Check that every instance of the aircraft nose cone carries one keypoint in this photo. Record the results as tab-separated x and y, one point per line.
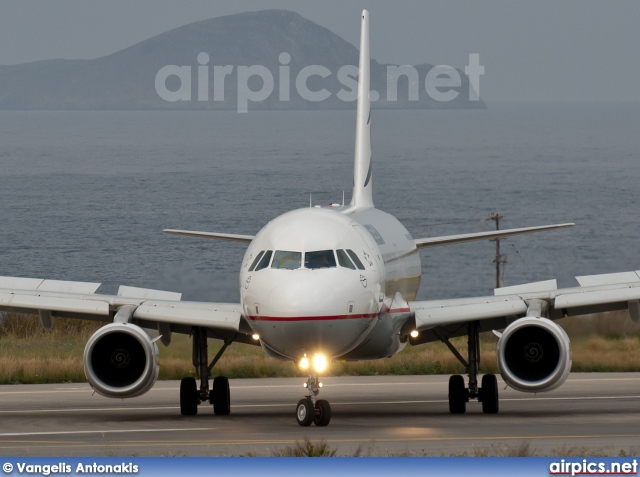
301	298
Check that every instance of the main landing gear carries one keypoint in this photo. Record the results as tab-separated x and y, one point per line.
218	396
459	396
310	409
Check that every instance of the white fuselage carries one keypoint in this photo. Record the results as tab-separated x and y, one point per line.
302	297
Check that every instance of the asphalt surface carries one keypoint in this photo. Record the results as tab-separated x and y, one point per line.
382	415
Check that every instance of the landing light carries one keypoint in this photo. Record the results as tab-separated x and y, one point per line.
319	363
256	337
414	334
304	364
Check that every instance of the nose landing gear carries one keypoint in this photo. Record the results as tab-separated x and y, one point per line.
310	409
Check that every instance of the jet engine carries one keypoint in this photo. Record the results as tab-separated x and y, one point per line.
534	355
121	361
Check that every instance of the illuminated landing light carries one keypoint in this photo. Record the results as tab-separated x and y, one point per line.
256	337
303	364
319	363
414	334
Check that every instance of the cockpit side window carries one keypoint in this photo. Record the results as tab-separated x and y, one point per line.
255	262
319	259
355	259
286	260
266	258
343	260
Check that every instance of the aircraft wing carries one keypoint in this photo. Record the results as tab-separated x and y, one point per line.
149	308
473	237
597	293
211	235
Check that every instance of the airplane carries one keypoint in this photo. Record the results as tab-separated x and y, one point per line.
319	284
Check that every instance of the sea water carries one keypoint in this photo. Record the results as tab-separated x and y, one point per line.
85	194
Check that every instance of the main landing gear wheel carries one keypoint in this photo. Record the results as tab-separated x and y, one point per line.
220	396
188	397
457	395
322	414
489	394
305	412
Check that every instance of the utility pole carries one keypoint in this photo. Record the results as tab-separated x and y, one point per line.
499	260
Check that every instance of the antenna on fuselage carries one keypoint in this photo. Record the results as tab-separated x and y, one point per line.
310	203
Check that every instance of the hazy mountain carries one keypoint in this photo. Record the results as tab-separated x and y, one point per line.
127	79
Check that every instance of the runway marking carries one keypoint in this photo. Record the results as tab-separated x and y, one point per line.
334	385
146	443
577	398
572	380
288	404
98	409
270	386
110	431
295	386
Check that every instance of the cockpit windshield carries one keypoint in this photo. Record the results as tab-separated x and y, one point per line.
290	260
319	259
356	260
264	262
344	260
255	262
287	260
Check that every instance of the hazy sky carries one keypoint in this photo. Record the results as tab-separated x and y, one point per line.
572	50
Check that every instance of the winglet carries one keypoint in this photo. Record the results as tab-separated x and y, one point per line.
362	185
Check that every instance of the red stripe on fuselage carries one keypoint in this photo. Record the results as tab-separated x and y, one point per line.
313	318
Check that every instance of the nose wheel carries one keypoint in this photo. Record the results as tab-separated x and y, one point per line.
312	410
304	412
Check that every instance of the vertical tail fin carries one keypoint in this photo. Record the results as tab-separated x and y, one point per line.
362	185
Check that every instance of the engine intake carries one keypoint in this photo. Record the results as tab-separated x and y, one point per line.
534	355
121	361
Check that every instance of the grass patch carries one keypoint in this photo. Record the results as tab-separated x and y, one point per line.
306	448
28	354
524	449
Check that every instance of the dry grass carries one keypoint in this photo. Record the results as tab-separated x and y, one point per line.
581	451
306	448
615	324
525	449
599	354
29	354
309	448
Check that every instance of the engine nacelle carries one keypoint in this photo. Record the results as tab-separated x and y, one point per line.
121	361
534	355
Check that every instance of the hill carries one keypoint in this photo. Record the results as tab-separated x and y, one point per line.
140	76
